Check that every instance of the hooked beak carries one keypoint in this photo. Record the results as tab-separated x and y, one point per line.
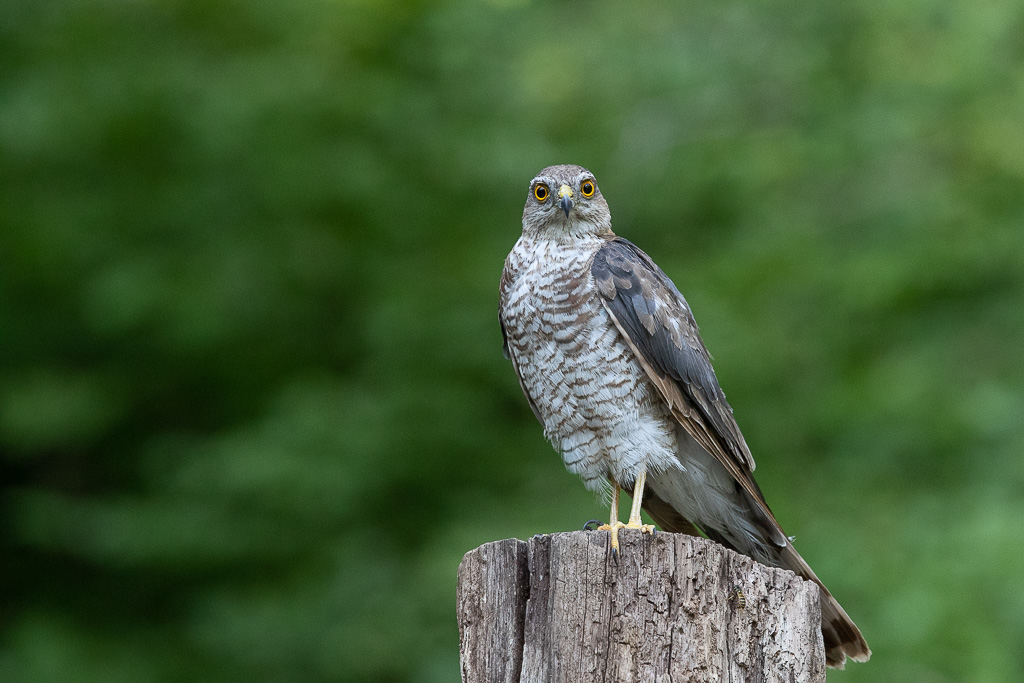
566	199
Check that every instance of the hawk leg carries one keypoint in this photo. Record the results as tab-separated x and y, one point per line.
634	512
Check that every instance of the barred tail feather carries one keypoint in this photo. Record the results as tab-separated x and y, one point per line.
841	636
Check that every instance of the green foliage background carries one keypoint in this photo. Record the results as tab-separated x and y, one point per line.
253	408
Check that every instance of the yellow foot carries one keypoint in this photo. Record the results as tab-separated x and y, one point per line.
614	529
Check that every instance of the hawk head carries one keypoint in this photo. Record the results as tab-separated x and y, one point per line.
564	201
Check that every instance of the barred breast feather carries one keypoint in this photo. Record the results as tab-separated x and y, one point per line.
557	333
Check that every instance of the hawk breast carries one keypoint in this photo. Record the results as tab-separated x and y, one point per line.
598	408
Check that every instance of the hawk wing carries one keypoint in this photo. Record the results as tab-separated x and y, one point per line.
656	322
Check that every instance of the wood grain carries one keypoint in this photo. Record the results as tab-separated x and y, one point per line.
560	608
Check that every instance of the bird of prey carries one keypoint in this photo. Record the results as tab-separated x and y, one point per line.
608	355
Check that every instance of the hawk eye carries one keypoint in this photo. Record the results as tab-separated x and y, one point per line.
587	188
540	192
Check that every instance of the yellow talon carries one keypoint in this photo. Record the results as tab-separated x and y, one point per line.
634	513
644	528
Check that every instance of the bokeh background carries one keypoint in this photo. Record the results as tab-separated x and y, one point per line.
253	408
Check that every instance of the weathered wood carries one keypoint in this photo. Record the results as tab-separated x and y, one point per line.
560	608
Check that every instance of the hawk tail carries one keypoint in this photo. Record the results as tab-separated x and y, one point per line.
841	636
665	516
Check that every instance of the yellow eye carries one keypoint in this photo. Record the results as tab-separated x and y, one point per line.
540	192
587	188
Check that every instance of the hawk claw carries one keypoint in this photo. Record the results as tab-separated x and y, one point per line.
614	529
643	528
586	527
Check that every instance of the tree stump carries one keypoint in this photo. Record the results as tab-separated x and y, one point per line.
672	608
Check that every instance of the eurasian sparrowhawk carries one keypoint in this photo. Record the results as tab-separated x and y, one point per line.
609	357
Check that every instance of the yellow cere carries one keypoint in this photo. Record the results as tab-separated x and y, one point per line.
564	191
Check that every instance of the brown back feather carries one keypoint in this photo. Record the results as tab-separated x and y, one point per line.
655	321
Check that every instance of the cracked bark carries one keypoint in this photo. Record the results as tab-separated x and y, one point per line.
559	608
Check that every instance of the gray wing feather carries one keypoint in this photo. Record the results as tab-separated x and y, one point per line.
657	323
660	324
